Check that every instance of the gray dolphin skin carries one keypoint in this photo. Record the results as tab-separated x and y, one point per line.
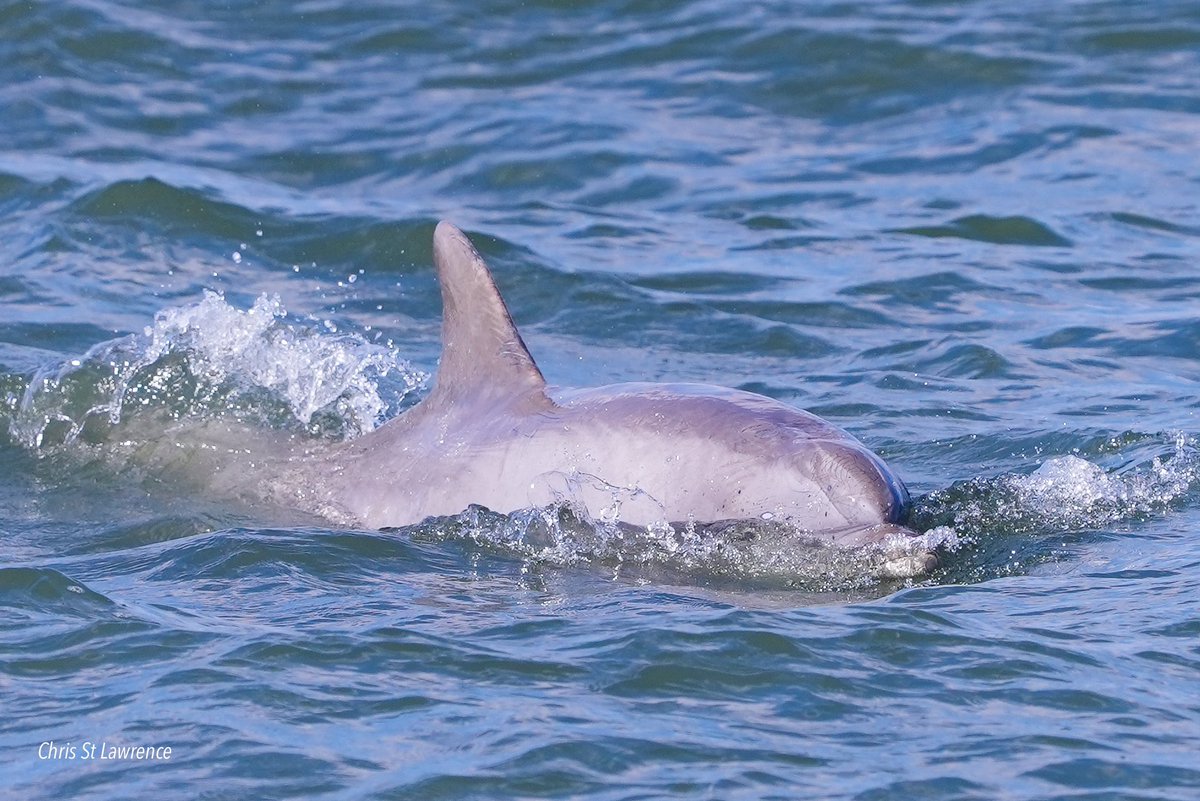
493	433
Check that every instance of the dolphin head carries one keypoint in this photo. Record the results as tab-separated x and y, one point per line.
855	483
892	494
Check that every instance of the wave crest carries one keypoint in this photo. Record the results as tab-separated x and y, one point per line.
211	359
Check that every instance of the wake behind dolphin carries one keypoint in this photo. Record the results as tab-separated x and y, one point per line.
492	433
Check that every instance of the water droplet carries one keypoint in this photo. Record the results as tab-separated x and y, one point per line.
237	258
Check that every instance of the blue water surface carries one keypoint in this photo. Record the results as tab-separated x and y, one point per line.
968	233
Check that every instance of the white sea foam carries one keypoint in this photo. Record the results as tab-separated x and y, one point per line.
211	358
1069	493
751	552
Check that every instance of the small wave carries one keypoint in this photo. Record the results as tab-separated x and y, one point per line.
1010	523
211	359
28	590
1015	230
1066	493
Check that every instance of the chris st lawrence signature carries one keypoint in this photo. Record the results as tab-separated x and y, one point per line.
102	750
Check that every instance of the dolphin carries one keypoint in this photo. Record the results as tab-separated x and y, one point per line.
493	433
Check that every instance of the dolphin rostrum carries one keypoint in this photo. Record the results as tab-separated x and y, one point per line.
493	433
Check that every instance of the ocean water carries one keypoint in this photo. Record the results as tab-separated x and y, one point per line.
969	233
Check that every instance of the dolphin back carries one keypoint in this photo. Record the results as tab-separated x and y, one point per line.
491	434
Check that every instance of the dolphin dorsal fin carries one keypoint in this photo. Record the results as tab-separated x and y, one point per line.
482	353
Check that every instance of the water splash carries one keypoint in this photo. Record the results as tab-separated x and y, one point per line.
1012	523
1066	493
752	553
211	359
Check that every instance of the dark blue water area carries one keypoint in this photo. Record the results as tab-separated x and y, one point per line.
967	233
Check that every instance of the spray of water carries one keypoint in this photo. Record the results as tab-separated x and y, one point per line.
211	359
761	553
1011	523
1066	493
